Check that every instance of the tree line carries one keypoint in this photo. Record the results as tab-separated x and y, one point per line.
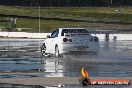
66	3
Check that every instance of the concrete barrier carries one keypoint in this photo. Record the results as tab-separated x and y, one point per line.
44	35
118	36
23	35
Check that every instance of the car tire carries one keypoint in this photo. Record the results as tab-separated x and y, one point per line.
43	50
57	52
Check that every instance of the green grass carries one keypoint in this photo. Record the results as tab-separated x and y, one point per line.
96	14
124	14
47	25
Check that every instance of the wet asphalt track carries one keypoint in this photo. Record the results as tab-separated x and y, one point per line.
23	56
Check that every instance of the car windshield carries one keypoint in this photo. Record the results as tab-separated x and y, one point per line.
73	31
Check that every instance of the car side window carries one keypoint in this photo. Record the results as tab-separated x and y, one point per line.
55	34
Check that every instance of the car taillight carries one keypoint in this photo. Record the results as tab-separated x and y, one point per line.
65	39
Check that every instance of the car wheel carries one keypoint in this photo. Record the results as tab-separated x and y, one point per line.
43	50
56	51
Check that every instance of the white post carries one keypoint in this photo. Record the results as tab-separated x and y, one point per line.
39	18
39	27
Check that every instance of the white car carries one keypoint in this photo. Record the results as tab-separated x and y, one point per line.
70	40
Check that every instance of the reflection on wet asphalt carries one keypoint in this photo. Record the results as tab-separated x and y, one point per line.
23	55
16	65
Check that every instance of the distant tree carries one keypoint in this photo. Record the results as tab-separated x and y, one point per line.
66	3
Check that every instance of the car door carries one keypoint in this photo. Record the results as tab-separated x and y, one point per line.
52	41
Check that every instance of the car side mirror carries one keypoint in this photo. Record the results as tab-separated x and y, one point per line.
48	36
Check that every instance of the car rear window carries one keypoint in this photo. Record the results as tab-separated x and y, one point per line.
73	31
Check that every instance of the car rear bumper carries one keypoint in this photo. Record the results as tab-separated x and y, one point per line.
70	48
